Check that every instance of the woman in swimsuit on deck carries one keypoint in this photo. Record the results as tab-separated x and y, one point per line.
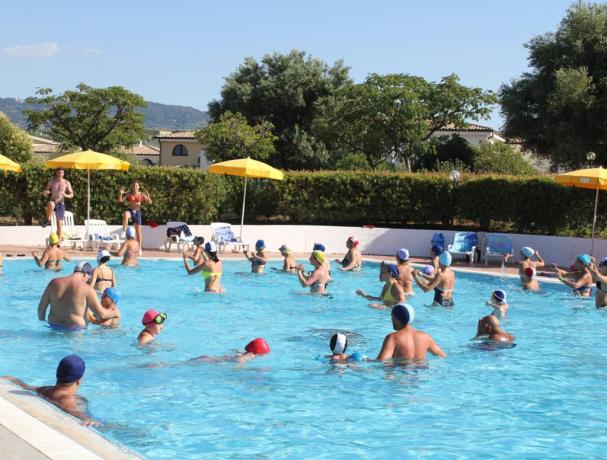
259	259
442	283
392	292
133	213
103	276
209	267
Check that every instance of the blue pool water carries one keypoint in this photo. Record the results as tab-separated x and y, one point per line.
542	398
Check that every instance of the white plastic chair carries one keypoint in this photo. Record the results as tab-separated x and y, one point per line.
223	236
69	230
464	244
98	232
497	246
180	240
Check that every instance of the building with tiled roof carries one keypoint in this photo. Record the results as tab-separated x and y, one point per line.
181	149
474	134
43	148
143	154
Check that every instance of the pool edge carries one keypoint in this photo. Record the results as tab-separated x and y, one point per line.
48	431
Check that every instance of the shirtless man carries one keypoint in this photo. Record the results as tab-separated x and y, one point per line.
406	271
580	280
443	282
58	189
63	394
52	256
407	343
527	268
69	297
489	326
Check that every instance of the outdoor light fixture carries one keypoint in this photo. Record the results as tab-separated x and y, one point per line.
455	176
590	156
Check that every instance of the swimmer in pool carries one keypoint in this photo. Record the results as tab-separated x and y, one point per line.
69	297
129	251
153	323
52	256
435	252
599	276
198	253
392	292
499	304
407	343
109	301
443	282
258	259
289	264
319	278
321	247
103	276
579	280
64	393
256	347
489	327
339	345
352	261
209	267
527	268
405	270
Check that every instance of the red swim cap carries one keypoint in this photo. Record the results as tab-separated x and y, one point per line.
258	347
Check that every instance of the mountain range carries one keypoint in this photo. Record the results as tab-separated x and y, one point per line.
155	115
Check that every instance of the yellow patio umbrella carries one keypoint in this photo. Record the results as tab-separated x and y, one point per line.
7	164
593	179
246	167
88	160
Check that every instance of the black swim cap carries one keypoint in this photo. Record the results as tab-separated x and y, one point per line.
401	313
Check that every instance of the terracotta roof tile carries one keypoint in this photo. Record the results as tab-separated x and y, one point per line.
45	148
466	127
175	135
143	150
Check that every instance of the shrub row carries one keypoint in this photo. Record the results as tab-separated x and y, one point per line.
488	202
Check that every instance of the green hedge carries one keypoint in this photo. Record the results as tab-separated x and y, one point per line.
488	202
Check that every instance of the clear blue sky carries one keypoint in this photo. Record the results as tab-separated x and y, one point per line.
179	52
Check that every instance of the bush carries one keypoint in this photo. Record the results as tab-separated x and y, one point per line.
486	202
499	158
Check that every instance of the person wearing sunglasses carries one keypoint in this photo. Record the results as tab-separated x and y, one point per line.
68	298
153	323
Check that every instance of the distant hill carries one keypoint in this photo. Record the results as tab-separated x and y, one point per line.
155	115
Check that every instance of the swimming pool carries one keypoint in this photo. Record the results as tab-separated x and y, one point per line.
541	398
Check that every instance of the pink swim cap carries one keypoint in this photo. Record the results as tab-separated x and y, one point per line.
353	240
149	316
258	347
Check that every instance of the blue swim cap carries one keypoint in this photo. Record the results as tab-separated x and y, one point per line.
409	309
260	244
356	356
401	313
319	247
403	254
112	293
444	259
437	249
428	270
585	259
499	295
70	369
394	271
527	251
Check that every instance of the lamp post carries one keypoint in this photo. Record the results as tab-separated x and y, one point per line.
455	176
590	156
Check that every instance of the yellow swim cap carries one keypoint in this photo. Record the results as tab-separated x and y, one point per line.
319	256
53	238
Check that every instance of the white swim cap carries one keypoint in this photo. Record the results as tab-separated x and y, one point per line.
338	343
130	232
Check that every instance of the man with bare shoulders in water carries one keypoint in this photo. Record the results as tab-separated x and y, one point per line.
407	343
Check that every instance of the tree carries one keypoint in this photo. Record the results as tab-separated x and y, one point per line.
14	142
100	119
559	107
500	158
452	150
390	117
283	89
231	137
